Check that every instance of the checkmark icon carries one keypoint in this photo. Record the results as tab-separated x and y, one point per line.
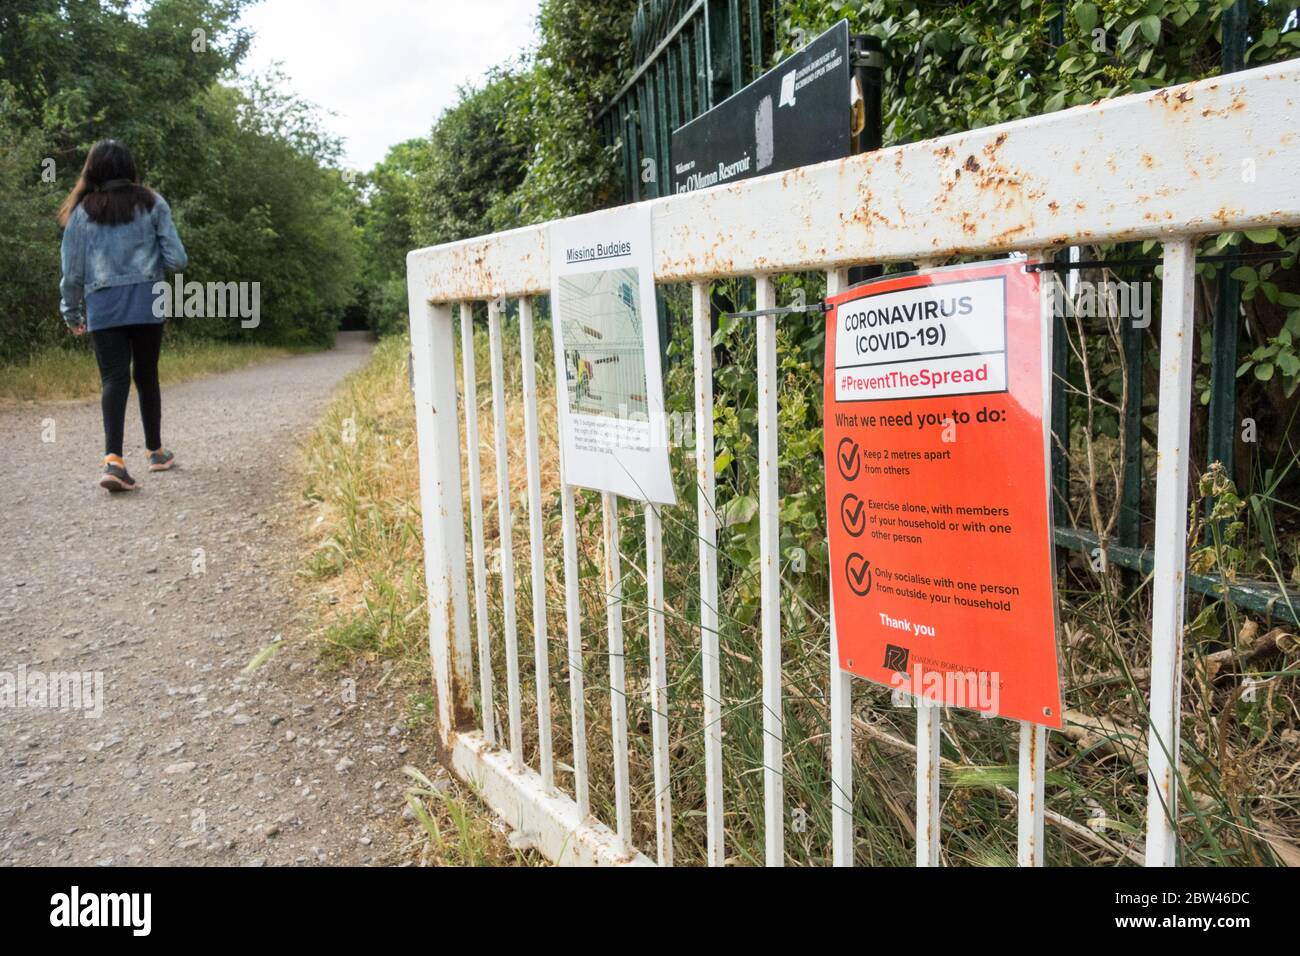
850	461
853	514
857	570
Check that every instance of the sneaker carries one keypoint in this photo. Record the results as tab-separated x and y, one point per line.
115	477
161	460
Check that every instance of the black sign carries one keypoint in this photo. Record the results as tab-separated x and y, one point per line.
794	114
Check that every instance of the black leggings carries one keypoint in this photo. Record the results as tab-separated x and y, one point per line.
116	350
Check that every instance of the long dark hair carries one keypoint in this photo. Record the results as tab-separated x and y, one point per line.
109	187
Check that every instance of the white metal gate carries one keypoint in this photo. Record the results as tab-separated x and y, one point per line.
1207	157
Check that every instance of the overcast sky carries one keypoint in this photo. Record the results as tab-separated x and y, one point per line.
386	67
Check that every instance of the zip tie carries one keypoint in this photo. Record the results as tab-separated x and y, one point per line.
781	310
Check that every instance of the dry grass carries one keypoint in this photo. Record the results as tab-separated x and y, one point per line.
57	374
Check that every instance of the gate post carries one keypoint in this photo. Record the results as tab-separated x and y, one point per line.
442	517
1168	593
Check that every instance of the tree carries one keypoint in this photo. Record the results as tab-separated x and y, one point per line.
29	237
582	59
477	159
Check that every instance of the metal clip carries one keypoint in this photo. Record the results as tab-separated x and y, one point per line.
781	310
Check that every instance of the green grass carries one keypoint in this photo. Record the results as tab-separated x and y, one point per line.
56	374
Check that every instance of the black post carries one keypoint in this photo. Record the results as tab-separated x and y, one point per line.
723	56
1060	422
867	62
1056	27
1060	449
1130	508
1220	444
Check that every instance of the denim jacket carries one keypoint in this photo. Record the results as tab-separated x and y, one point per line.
96	256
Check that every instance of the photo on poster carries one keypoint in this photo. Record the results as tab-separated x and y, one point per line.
612	422
604	355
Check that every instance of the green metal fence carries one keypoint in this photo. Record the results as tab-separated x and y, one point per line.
1126	548
693	54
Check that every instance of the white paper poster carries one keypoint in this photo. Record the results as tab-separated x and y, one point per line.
609	382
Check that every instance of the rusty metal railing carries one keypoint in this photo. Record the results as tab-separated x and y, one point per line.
1173	160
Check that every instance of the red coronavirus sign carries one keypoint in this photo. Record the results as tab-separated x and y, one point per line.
936	489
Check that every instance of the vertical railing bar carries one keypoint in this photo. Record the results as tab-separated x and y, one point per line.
674	96
654	84
573	625
1060	401
433	353
510	629
537	548
1033	737
841	682
476	521
637	131
631	166
770	579
1226	322
737	53
1030	795
1130	508
703	81
685	61
617	681
1169	574
663	174
573	622
647	106
654	572
702	337
928	719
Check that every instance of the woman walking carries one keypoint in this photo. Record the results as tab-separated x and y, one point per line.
118	239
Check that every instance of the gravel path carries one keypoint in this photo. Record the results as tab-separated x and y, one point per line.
168	593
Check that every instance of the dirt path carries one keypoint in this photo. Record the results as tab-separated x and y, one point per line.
169	592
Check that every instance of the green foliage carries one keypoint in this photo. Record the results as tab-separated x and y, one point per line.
474	165
524	146
269	206
29	238
580	63
1215	539
86	70
388	224
956	66
520	147
1277	357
